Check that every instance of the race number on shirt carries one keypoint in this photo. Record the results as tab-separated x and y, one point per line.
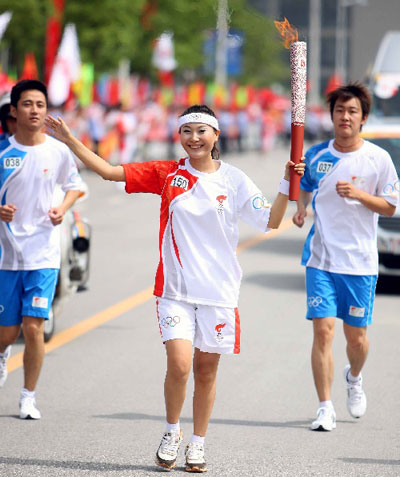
324	167
180	181
12	162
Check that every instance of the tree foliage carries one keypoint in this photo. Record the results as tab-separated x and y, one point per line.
26	31
109	30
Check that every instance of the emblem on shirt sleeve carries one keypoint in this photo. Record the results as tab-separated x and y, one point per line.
260	202
180	181
392	190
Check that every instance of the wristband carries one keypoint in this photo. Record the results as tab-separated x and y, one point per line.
284	187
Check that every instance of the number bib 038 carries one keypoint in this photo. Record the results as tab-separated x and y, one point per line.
12	162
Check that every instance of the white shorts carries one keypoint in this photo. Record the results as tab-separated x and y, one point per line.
212	329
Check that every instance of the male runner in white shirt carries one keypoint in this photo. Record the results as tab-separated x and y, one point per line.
350	182
31	165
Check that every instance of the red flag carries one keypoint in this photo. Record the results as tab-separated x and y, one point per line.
113	92
30	69
166	78
335	81
149	9
53	35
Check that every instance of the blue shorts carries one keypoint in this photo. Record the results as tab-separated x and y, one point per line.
349	297
26	293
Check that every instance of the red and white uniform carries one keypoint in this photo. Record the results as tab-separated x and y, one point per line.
199	227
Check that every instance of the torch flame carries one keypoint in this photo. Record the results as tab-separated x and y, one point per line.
288	32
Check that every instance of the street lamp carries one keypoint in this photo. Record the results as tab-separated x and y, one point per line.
222	43
314	72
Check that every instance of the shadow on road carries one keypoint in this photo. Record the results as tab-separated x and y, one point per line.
286	281
130	416
91	466
354	460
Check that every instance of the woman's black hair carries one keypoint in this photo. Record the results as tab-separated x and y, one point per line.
202	108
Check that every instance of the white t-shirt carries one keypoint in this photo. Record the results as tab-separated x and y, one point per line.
343	237
199	227
28	178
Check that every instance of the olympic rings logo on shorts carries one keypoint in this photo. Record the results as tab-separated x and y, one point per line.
260	202
170	321
391	189
314	301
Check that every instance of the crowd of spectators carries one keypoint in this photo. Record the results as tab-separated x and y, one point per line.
149	131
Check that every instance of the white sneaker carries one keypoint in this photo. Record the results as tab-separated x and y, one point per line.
195	461
356	399
27	408
326	420
3	365
168	451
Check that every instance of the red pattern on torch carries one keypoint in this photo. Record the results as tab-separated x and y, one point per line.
298	87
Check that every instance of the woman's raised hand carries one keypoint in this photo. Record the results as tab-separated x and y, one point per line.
57	128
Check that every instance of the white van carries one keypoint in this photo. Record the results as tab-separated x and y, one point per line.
383	129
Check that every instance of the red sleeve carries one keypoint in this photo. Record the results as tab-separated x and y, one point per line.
147	176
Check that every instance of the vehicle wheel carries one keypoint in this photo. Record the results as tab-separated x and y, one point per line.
49	326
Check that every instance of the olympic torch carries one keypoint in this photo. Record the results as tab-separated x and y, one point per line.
298	89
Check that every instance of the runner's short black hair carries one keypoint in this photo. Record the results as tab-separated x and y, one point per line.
25	85
351	90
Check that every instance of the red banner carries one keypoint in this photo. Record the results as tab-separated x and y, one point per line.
30	69
53	36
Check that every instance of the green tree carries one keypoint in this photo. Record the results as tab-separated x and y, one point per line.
262	61
263	56
26	31
109	30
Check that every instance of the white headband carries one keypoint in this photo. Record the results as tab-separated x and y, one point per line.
198	118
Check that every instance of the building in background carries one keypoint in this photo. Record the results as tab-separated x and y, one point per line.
350	31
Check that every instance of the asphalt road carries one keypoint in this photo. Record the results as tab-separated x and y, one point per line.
101	389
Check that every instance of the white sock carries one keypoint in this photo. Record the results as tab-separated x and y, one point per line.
26	393
353	379
173	427
196	438
328	404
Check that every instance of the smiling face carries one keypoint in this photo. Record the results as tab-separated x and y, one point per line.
198	140
30	111
347	118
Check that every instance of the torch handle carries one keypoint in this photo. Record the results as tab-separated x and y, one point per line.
296	151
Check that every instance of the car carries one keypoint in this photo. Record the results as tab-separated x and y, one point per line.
387	135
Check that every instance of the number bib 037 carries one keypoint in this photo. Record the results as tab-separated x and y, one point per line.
324	167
